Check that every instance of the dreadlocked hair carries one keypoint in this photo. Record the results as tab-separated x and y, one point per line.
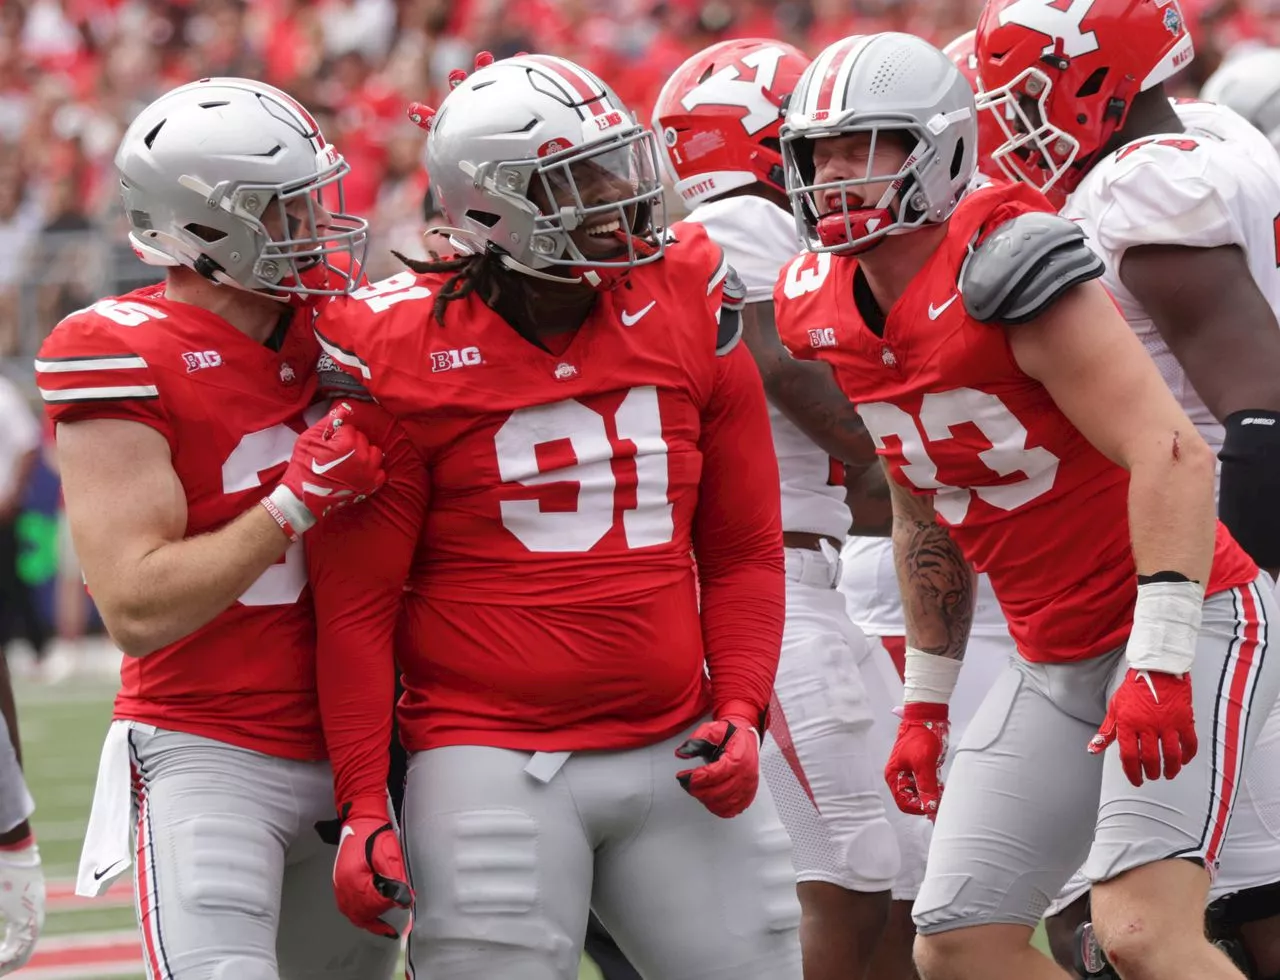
470	272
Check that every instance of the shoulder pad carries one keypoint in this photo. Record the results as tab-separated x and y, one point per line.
1022	267
733	297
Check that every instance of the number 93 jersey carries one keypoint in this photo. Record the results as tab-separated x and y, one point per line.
230	410
1025	496
553	595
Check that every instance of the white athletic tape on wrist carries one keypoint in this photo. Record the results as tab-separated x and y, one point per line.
928	677
292	508
1166	625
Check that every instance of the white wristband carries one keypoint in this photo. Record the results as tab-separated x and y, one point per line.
928	677
1166	625
292	508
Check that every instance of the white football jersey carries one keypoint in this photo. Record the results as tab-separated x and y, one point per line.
1216	184
871	597
758	239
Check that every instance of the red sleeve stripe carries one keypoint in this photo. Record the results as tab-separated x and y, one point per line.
97	362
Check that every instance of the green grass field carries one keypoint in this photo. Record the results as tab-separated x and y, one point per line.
62	731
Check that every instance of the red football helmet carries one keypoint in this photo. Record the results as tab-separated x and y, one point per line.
1060	76
719	115
990	135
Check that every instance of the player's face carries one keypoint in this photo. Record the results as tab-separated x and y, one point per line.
595	182
294	220
858	156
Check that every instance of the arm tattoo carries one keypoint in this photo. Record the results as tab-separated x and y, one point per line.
936	580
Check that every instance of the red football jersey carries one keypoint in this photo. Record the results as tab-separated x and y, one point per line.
552	601
231	410
1026	497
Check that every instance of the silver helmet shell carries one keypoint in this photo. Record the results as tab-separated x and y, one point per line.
885	85
234	179
537	126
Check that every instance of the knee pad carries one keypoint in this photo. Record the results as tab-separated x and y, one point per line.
867	851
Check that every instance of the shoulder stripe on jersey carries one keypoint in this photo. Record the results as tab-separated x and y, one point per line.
93	362
717	277
100	394
343	356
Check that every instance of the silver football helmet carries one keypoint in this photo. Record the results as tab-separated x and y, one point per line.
530	149
234	179
1250	84
885	85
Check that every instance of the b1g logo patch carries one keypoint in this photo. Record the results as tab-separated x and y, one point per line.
822	337
197	360
451	360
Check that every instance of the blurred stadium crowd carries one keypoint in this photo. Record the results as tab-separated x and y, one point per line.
74	72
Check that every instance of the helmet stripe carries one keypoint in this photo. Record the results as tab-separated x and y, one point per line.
836	76
587	91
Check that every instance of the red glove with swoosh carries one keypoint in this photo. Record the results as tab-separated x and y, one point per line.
333	465
369	877
1150	716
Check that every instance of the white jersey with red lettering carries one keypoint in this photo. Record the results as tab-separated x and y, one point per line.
819	759
759	238
1216	183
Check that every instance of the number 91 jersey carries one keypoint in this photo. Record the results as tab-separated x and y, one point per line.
231	410
1025	496
552	595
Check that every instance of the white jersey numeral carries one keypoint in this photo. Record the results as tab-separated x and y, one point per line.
283	582
386	293
804	278
940	413
638	420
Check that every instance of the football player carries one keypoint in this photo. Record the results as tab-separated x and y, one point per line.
594	610
717	120
1029	436
193	461
1249	83
21	876
1182	192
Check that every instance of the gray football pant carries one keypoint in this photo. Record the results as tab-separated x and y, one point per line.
1025	801
232	880
505	867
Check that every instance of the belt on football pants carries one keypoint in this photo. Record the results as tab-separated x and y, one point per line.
820	569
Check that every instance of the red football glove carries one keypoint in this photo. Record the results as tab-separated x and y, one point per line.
1150	715
726	783
369	877
333	465
914	772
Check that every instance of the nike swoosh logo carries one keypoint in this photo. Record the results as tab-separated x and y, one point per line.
99	875
631	319
937	311
322	468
